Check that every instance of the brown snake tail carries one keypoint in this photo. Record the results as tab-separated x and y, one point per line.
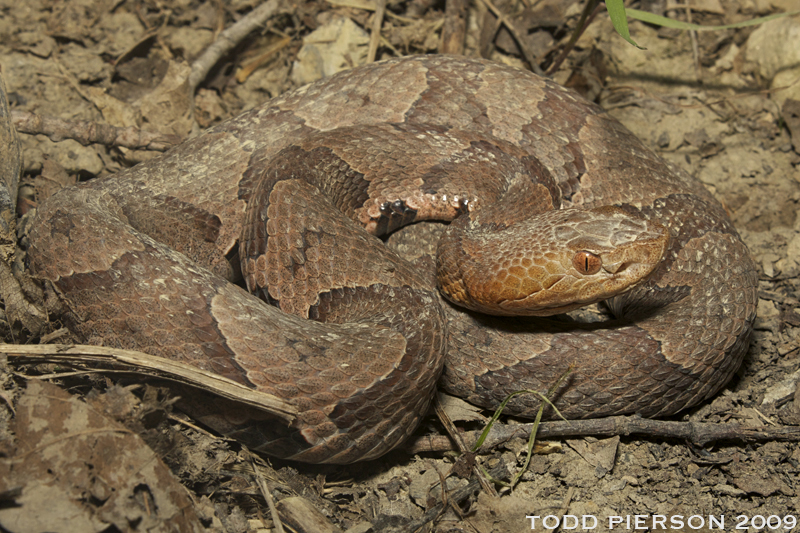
548	194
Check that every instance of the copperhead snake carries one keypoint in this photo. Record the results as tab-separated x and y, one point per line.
143	259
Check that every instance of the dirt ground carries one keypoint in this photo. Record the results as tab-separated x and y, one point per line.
724	112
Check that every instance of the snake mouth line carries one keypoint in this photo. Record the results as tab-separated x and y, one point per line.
549	284
546	302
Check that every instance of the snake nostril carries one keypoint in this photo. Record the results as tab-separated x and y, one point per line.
616	268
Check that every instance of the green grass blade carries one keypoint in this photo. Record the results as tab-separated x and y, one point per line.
536	422
616	10
658	20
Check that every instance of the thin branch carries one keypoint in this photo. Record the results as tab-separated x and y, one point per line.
456	497
247	69
265	492
116	360
695	47
523	48
590	11
461	445
228	40
698	433
375	33
455	27
86	132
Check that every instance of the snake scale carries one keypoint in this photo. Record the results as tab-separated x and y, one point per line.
290	197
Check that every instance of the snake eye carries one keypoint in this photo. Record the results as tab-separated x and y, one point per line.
587	263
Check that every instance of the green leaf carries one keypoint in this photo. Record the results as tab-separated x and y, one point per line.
616	10
658	20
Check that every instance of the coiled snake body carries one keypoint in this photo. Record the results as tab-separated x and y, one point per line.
143	259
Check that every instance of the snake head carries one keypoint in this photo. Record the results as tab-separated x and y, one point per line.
551	263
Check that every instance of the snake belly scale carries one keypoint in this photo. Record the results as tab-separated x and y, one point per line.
290	197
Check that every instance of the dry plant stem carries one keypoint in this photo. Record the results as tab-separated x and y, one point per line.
702	105
695	49
513	31
454	28
590	11
269	53
144	366
564	506
443	494
86	132
262	486
451	429
698	433
375	34
228	39
462	446
498	472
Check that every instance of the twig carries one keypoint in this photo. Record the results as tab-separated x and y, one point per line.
375	34
699	433
564	507
695	48
498	472
513	31
462	446
454	28
243	73
704	105
145	365
228	39
264	488
590	11
86	132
